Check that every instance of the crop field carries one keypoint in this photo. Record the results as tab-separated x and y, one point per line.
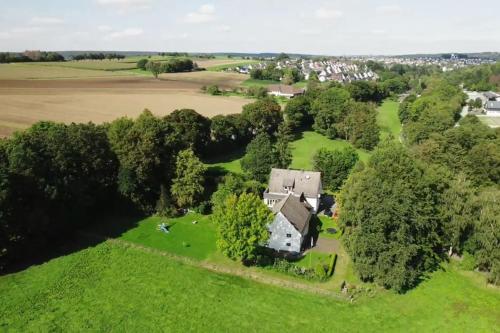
106	65
206	78
37	71
114	287
26	102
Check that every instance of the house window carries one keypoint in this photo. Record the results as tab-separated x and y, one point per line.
288	235
288	244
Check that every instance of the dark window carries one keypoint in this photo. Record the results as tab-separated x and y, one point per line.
288	235
288	244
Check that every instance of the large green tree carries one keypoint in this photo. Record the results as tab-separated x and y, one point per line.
264	115
259	158
190	129
298	112
335	166
391	222
187	186
242	226
329	109
282	149
360	126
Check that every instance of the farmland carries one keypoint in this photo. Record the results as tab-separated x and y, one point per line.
114	287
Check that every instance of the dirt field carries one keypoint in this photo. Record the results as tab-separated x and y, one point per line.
205	78
23	102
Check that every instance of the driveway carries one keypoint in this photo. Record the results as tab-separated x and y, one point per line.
326	245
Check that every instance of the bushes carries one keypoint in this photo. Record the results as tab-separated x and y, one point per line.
320	272
331	265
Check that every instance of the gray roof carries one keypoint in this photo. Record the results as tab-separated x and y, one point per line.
296	211
490	94
307	182
492	105
284	89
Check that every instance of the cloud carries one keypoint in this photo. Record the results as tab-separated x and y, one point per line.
310	32
130	32
388	9
378	31
205	13
327	13
5	35
127	5
175	37
46	20
223	28
29	30
104	28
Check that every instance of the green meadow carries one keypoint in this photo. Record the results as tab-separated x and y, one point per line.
117	288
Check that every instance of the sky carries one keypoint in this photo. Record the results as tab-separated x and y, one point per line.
313	27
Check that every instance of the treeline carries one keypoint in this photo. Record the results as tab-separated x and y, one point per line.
173	54
97	56
169	66
478	78
271	72
332	111
414	205
30	56
54	178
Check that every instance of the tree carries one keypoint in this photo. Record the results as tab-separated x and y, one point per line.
141	64
390	220
335	166
191	129
366	91
187	186
282	148
298	112
360	126
329	109
154	67
242	226
264	115
144	148
485	242
259	158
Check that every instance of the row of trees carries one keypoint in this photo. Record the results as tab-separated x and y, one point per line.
271	72
334	113
30	56
97	56
412	205
170	66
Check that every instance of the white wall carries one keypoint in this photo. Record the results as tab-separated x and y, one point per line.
279	229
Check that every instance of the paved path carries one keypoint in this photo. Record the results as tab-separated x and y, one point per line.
326	245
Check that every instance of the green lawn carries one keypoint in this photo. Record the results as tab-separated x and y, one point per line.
328	222
305	148
196	241
311	259
258	83
303	151
114	288
388	120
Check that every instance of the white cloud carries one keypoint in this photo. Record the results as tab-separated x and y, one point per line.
175	37
127	5
327	13
378	31
310	32
205	13
130	32
223	28
388	9
104	28
29	30
5	35
46	20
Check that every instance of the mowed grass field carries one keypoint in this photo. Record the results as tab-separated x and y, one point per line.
388	119
117	288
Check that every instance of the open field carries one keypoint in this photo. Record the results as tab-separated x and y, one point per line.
106	65
206	78
25	102
388	119
40	71
112	287
490	121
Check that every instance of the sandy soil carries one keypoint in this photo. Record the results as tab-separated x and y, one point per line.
101	100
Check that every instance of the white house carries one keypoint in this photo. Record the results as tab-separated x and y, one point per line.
284	90
291	224
492	108
296	182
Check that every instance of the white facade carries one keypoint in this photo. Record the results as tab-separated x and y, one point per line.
283	236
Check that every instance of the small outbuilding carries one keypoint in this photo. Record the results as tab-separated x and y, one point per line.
284	90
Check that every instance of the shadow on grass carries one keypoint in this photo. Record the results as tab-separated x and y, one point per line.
106	226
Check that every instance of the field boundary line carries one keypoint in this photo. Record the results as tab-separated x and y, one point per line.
221	269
